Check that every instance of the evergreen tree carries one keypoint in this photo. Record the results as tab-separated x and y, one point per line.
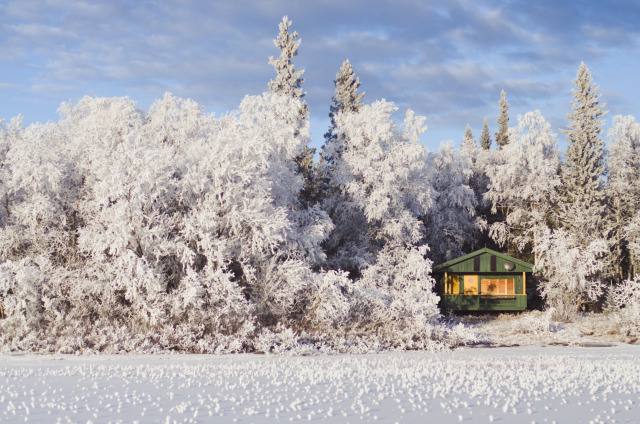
478	158
583	211
288	79
475	159
288	82
452	220
485	137
502	136
345	98
469	144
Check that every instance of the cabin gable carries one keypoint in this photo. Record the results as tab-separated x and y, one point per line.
485	261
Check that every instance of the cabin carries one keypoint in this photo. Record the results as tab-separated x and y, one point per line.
484	280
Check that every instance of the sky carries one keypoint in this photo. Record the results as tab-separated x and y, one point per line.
447	60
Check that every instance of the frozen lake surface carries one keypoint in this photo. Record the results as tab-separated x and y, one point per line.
505	385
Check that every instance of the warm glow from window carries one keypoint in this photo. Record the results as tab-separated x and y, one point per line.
471	284
453	285
497	286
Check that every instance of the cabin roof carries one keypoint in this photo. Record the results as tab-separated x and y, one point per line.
521	265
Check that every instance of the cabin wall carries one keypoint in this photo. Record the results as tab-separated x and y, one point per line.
481	303
462	302
460	286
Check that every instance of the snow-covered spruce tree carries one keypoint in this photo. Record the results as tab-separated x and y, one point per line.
348	218
485	137
582	207
481	158
451	224
469	146
383	177
502	136
523	184
574	257
477	159
288	82
623	193
346	98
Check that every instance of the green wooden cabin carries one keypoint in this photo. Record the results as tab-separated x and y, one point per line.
484	280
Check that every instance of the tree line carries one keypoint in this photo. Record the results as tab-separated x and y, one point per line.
172	229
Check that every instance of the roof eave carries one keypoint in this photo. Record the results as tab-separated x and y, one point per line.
470	255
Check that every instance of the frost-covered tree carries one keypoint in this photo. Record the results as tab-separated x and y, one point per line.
469	146
623	301
623	193
384	189
288	82
523	183
7	134
631	234
502	136
162	230
476	160
485	137
382	176
125	230
346	98
397	298
570	271
335	201
451	224
582	207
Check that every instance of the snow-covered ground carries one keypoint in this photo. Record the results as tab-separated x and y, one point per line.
521	384
537	328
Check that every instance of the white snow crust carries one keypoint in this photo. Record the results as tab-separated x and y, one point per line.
508	385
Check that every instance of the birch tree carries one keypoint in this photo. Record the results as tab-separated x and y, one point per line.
623	193
524	183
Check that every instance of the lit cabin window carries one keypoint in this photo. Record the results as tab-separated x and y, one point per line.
453	285
497	286
471	284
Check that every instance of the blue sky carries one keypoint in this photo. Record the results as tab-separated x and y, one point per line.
447	60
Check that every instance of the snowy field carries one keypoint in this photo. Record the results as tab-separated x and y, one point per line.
526	384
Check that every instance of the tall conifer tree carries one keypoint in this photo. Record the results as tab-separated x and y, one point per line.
345	98
288	81
468	143
583	210
502	136
485	137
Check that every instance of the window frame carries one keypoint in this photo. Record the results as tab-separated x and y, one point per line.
511	278
477	284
